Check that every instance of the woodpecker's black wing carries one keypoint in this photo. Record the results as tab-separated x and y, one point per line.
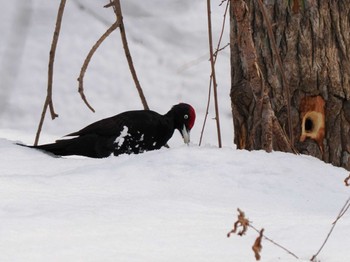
145	131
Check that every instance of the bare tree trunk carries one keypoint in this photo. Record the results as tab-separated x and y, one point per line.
313	40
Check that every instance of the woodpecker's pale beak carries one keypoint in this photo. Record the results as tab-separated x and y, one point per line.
185	134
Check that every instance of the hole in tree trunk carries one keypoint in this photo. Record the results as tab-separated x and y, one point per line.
309	125
312	119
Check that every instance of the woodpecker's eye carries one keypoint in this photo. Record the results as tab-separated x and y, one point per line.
185	116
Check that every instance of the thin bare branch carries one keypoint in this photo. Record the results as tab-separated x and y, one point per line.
87	61
118	12
48	100
109	5
119	23
213	74
218	49
206	114
222	2
41	122
344	209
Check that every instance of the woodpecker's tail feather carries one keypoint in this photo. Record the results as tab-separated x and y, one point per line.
89	146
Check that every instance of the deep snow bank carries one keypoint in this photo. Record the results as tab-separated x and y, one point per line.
168	205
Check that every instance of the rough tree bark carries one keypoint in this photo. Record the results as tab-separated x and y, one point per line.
313	42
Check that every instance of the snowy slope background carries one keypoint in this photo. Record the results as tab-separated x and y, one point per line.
174	204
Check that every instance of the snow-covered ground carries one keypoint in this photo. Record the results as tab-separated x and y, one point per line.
174	204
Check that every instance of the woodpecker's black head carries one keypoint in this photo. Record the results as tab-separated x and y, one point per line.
184	118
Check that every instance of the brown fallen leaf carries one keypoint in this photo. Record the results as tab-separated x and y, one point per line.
242	221
257	247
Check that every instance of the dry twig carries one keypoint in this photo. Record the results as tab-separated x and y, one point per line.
118	23
244	222
212	63
214	58
275	243
347	180
218	48
118	12
342	212
87	61
48	100
222	2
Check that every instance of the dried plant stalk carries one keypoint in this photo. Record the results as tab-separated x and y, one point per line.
48	100
212	63
244	222
87	61
342	212
118	12
119	23
218	49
